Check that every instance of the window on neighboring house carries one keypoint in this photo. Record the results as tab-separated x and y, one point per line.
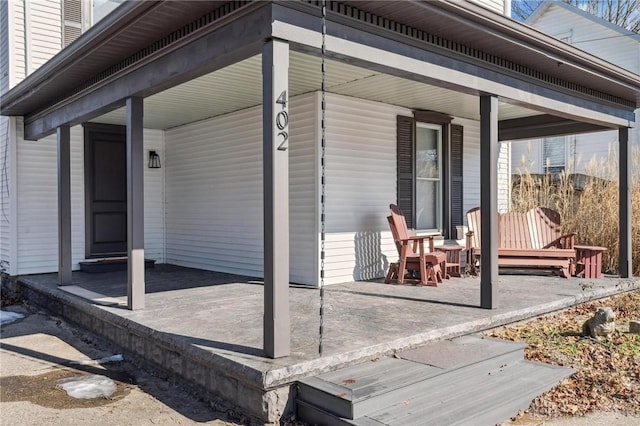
429	166
554	154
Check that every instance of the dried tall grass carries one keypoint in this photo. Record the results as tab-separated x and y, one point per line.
592	213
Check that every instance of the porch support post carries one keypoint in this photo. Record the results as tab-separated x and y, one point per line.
275	81
489	200
64	205
135	205
626	263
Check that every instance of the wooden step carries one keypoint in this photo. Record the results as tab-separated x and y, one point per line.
355	391
477	398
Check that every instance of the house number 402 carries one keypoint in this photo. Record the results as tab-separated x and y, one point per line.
282	122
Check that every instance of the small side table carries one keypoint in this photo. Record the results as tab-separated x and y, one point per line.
589	261
452	267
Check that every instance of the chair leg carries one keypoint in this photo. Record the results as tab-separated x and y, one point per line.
401	270
424	273
443	269
431	278
438	273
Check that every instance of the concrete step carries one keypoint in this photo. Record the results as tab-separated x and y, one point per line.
470	380
355	391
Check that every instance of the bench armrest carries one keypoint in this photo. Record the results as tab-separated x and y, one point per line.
566	241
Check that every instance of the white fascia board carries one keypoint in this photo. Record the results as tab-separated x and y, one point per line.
449	77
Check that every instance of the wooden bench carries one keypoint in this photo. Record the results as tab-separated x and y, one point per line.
525	240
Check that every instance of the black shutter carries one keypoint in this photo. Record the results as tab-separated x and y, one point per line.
71	20
456	177
405	158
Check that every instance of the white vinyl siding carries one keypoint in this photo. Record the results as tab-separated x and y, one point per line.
361	183
214	194
214	188
634	137
6	167
45	27
470	164
582	149
526	155
6	170
599	40
4	48
154	198
303	181
504	177
495	5
17	36
38	202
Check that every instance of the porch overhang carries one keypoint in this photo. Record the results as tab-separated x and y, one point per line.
463	51
406	39
541	126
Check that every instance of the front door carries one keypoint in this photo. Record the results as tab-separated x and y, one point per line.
105	190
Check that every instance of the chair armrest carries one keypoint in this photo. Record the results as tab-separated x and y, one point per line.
419	239
469	240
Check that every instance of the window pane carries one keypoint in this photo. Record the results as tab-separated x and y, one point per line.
554	154
427	156
427	204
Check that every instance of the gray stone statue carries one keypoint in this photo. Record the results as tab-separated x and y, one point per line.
602	323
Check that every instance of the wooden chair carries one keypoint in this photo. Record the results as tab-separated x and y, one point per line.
412	255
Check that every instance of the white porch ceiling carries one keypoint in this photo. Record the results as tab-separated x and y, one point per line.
239	86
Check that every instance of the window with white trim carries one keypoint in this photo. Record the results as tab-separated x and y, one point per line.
428	167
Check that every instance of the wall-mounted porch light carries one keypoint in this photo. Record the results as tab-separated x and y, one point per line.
154	160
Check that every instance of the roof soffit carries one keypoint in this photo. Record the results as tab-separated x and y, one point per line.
127	30
474	26
101	44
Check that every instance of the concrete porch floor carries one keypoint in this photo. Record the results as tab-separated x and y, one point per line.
207	326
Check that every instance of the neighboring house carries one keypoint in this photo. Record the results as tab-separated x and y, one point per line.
596	36
419	96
